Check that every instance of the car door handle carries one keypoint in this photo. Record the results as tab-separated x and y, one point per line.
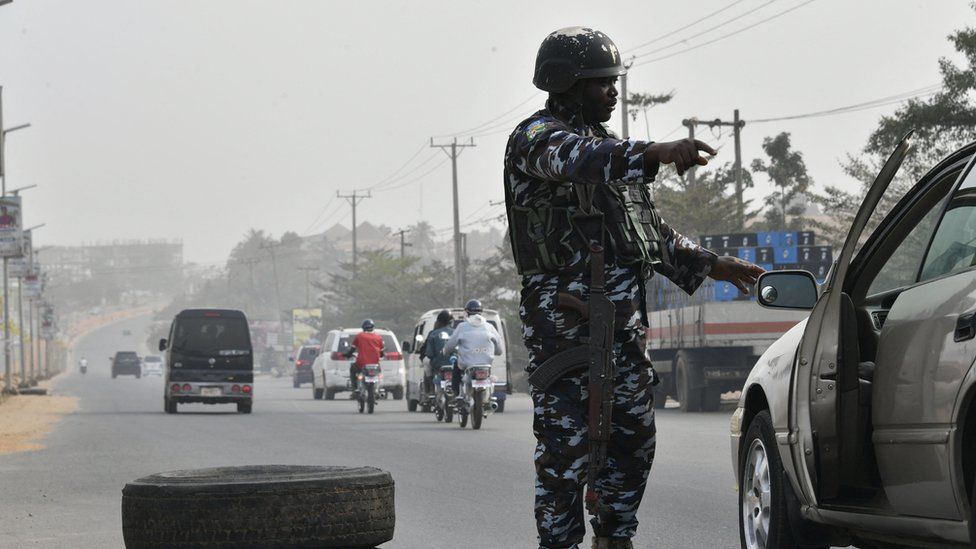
965	327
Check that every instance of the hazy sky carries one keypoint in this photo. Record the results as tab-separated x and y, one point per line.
202	119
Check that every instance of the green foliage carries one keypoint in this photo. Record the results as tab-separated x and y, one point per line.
943	121
708	207
787	171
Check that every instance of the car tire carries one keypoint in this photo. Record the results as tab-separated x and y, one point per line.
972	516
412	405
501	406
114	374
397	393
273	506
762	481
244	407
330	394
169	406
294	383
317	393
684	369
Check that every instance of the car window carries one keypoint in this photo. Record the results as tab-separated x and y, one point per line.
202	334
329	341
308	353
389	343
954	245
902	267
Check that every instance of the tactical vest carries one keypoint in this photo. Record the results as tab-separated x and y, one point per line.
553	239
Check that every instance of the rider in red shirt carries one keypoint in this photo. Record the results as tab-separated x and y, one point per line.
368	347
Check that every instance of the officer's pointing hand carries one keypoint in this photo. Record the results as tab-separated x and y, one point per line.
737	271
683	153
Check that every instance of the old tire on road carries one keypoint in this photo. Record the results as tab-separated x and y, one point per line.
274	506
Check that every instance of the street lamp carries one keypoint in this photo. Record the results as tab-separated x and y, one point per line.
7	380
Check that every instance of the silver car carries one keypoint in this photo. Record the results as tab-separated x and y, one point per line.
858	426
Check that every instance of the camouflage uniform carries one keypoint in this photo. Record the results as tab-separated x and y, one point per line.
546	154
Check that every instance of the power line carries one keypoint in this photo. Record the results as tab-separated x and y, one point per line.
418	178
880	102
724	36
689	25
399	169
704	32
488	122
396	184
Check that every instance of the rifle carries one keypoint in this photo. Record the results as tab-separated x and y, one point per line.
596	355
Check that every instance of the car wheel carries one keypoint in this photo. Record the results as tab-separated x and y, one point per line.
412	405
398	393
329	394
295	383
169	406
690	399
114	374
244	407
501	406
972	516
317	393
266	505
763	521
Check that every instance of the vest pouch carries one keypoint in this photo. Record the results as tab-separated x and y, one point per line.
632	225
544	240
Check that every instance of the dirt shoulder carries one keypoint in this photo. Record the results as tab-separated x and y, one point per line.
26	419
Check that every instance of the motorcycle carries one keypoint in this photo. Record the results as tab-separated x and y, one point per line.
368	388
478	389
444	395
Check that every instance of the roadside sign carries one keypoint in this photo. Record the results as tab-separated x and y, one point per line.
11	234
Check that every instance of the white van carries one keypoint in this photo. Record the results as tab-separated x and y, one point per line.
500	368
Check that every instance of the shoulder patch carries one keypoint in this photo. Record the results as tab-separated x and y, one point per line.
535	128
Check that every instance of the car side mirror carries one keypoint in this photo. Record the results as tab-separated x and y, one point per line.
787	290
162	344
406	346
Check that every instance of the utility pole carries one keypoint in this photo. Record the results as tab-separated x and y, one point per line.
624	103
690	124
309	269
455	151
403	242
353	200
464	264
274	271
736	124
7	379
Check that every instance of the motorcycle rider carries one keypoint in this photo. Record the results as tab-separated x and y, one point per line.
475	341
431	353
368	348
83	364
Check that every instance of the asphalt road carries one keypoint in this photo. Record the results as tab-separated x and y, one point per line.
454	488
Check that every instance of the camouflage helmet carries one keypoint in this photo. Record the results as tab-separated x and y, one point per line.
572	54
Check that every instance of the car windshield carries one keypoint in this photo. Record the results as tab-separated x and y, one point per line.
209	334
308	353
389	343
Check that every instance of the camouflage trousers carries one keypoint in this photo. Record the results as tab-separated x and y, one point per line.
561	455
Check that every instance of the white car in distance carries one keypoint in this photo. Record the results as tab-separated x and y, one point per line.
152	365
330	372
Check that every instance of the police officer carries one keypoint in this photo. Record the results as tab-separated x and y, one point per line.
570	183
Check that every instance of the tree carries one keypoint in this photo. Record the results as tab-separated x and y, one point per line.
943	121
641	102
787	171
704	208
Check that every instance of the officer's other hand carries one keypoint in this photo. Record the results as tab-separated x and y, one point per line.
741	273
683	153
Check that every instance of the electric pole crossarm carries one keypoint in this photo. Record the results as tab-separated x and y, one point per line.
354	199
736	124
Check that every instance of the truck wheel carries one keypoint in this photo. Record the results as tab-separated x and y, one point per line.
275	506
317	393
330	394
711	399
684	369
398	393
763	516
412	405
169	406
243	407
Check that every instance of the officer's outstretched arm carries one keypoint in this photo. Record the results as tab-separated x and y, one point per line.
552	151
690	263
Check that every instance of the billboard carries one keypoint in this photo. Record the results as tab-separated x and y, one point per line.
19	267
11	235
306	325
